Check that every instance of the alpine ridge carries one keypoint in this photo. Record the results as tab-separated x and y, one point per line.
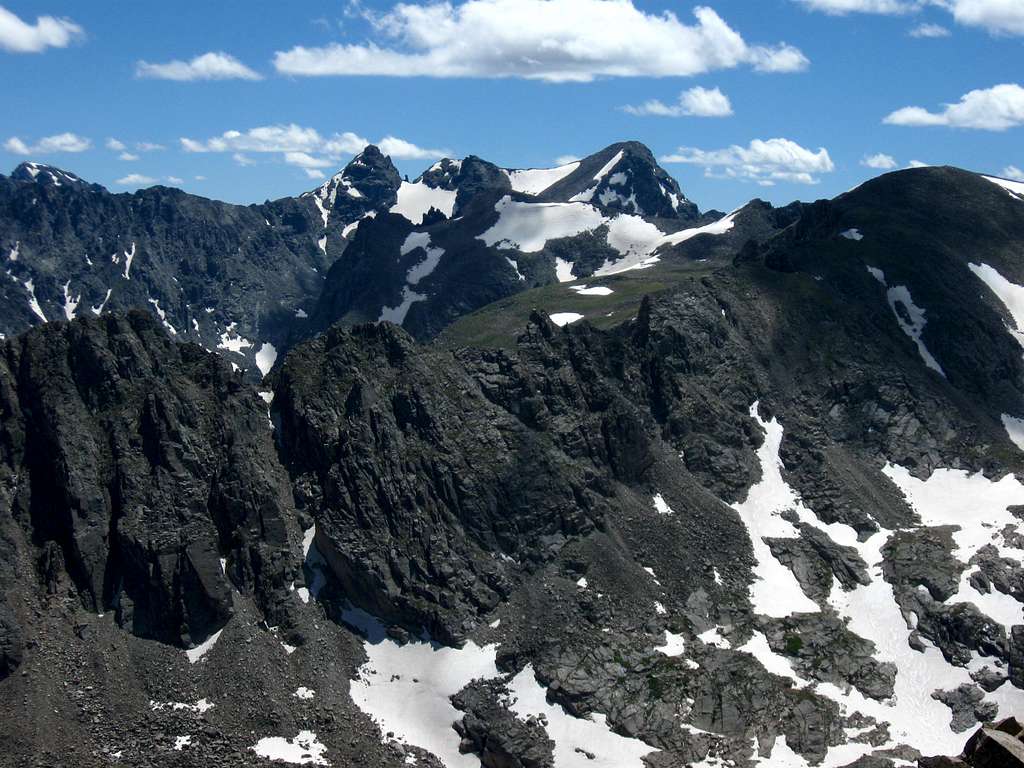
512	468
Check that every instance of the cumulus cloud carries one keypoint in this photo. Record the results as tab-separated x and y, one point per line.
135	180
843	7
990	109
763	161
563	41
999	17
128	157
1012	172
175	180
148	146
880	162
304	147
918	164
566	159
930	31
215	65
62	142
313	173
1004	17
696	102
17	36
115	145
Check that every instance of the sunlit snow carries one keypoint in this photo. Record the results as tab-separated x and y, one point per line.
565	318
416	198
266	356
1010	294
304	749
579	742
533	181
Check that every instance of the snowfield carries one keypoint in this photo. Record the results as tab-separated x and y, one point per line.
527	227
533	181
416	198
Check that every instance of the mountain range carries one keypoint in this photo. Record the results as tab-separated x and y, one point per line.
510	468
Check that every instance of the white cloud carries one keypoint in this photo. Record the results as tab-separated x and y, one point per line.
401	148
242	159
62	142
304	147
843	7
566	159
215	65
562	41
128	157
200	178
1012	172
175	180
313	173
17	36
990	109
918	164
764	162
304	160
930	31
135	180
880	162
115	145
148	146
999	17
696	102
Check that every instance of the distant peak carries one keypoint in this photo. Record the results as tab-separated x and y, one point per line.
46	175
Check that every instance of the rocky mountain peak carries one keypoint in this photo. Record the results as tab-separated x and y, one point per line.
624	178
46	175
370	178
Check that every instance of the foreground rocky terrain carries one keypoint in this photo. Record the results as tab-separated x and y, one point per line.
753	503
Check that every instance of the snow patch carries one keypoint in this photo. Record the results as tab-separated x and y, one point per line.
597	290
533	181
1015	188
196	654
1015	429
129	257
852	234
99	310
416	198
579	742
304	749
33	302
266	356
302	692
407	689
562	319
1010	294
70	303
162	315
775	591
911	320
661	506
13	255
232	341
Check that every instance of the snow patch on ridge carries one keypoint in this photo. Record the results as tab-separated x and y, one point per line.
576	738
1015	188
304	749
1010	294
562	319
416	198
533	181
266	356
911	320
775	591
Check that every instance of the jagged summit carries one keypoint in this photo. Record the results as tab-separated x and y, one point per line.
47	175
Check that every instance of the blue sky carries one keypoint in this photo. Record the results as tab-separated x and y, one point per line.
846	65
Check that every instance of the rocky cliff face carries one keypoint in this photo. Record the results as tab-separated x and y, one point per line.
768	517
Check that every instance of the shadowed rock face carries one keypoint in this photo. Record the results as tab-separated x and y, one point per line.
132	465
573	500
